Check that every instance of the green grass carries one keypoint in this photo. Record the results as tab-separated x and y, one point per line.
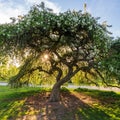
12	104
99	93
13	100
8	93
108	107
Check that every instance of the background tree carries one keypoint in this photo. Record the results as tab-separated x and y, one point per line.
111	64
59	45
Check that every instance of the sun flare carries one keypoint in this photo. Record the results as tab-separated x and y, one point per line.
46	56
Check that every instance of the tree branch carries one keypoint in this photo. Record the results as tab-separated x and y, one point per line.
105	81
90	79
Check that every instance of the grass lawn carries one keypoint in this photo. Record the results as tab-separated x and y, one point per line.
80	104
106	107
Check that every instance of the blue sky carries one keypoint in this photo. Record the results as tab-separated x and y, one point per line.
108	10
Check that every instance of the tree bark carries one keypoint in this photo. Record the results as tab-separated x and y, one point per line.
55	93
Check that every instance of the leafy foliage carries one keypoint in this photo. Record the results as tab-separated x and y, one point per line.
71	41
111	64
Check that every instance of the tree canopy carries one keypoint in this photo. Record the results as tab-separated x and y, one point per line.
111	64
57	44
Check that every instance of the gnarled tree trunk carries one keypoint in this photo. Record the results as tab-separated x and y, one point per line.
55	93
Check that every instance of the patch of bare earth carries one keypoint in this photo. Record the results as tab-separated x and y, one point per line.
38	107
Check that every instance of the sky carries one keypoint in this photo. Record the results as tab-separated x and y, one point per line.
107	10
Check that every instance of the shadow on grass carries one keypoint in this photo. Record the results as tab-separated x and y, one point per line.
99	93
33	106
72	108
37	108
13	100
109	102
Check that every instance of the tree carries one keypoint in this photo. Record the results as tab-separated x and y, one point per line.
57	44
111	64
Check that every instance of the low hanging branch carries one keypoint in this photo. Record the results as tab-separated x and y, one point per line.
105	82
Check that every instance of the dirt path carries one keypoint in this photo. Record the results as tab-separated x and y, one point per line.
115	89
